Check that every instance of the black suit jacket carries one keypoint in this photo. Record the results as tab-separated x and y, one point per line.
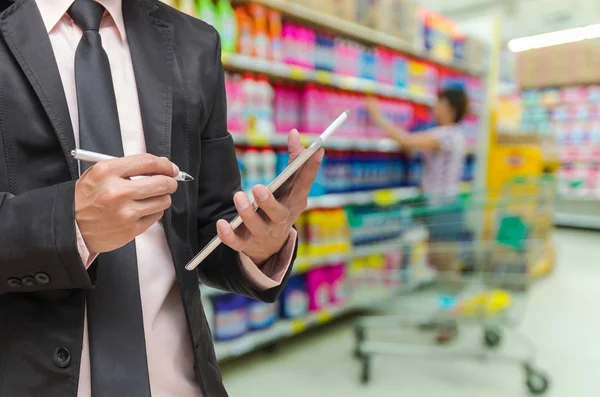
180	84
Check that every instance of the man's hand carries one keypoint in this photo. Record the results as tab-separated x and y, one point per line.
262	236
111	209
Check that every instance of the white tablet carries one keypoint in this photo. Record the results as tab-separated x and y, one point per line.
278	187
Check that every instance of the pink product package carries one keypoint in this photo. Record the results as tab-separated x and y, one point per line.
393	269
235	104
287	108
337	283
317	286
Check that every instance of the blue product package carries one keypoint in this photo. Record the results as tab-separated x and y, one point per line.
231	317
261	315
415	171
400	72
318	187
294	298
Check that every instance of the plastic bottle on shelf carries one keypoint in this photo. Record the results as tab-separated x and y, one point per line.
245	36
275	35
261	35
311	39
287	41
186	6
253	167
227	25
269	159
207	12
280	107
264	109
248	92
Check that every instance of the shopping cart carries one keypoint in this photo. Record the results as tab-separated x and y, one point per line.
486	287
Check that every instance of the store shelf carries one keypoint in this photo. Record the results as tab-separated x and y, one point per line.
362	144
305	263
359	144
572	220
287	328
358	32
246	63
380	197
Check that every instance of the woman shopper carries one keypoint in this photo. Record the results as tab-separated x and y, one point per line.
444	150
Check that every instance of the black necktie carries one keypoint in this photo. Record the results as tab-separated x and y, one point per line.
119	364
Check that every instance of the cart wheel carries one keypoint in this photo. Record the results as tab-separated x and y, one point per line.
359	334
492	338
365	374
537	383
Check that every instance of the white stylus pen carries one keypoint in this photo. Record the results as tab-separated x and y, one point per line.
93	157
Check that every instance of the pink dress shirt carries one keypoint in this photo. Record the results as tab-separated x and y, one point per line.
170	356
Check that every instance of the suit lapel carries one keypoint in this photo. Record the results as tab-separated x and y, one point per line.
151	45
26	36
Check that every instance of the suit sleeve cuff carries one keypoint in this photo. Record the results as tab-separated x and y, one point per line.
87	257
272	272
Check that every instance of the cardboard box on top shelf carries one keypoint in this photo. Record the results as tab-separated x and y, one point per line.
529	74
367	12
345	9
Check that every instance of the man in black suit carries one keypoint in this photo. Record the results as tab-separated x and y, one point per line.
94	297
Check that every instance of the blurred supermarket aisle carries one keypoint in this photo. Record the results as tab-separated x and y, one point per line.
560	318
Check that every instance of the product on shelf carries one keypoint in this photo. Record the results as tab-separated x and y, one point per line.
371	224
336	275
294	298
227	25
572	115
261	315
261	43
326	232
187	6
275	35
318	289
207	12
231	317
245	42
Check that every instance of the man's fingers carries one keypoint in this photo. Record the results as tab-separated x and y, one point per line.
295	146
152	186
256	225
307	174
275	211
136	165
144	223
153	205
237	242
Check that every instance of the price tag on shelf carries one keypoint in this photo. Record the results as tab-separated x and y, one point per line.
370	87
323	317
297	73
323	77
299	326
306	140
347	83
384	197
258	140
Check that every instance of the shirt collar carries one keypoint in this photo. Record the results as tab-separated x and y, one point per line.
53	10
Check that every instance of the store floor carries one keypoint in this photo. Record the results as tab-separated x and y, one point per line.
562	318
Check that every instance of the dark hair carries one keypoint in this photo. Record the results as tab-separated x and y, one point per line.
458	101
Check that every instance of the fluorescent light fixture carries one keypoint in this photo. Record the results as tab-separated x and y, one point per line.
554	38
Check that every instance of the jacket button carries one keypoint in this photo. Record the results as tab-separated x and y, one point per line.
13	282
42	278
28	281
62	357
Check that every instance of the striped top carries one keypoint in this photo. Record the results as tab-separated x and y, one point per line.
442	169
